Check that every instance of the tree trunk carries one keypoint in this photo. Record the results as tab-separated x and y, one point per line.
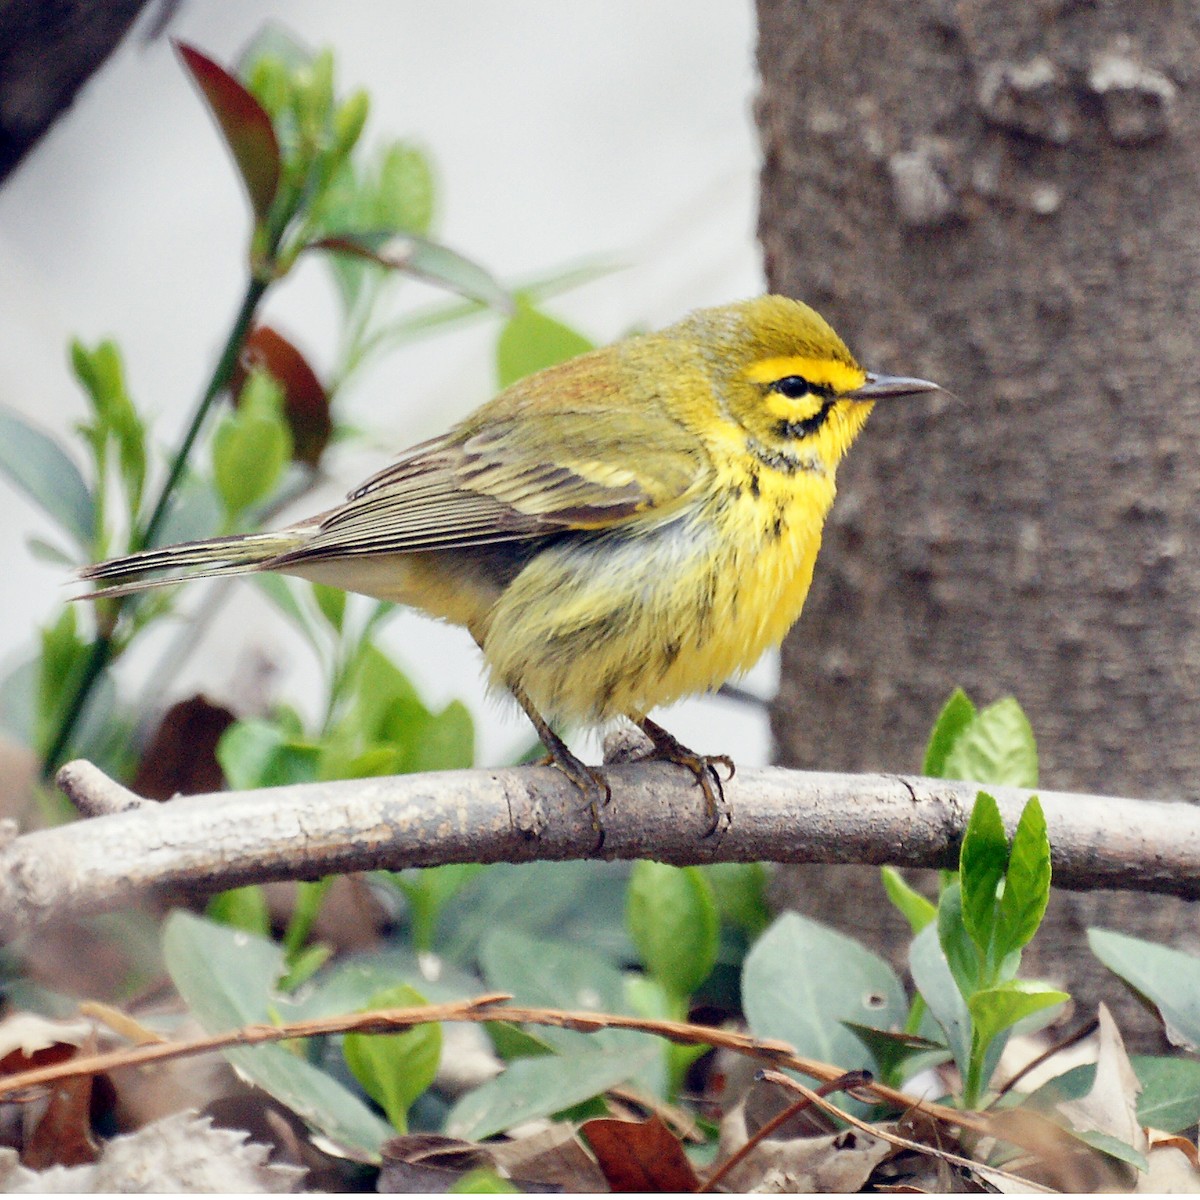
48	51
1002	196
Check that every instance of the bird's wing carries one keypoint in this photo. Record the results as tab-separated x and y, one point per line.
515	472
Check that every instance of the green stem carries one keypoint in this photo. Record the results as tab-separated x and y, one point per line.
102	646
220	377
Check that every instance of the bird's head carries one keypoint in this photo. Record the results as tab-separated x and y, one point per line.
784	376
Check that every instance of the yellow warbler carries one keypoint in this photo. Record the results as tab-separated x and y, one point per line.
616	532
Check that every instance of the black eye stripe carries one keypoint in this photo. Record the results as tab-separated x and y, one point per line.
809	425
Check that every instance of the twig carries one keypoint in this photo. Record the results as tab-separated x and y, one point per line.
523	814
846	1083
1077	1035
482	1008
95	795
894	1138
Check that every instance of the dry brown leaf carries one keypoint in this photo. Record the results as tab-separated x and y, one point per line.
1188	1149
640	1156
181	1153
799	1156
554	1157
1111	1105
429	1162
27	1033
1171	1170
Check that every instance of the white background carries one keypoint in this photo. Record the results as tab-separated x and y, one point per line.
560	132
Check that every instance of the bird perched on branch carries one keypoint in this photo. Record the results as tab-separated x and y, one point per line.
615	532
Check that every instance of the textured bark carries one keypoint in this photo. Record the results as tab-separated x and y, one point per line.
48	51
1002	196
132	849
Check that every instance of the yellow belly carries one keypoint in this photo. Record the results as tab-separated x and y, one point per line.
625	621
599	625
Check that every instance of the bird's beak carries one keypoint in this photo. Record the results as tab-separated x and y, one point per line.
884	387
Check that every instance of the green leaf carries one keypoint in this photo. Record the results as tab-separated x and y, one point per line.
996	747
244	124
957	713
962	955
103	376
1113	1147
280	593
512	1041
540	1087
1169	1099
915	908
48	552
349	122
481	1180
993	1010
241	908
195	513
891	1050
443	741
43	470
63	658
385	701
982	862
1026	882
933	979
404	196
674	924
331	602
547	974
395	1068
531	341
304	964
573	902
800	981
251	446
226	977
740	892
1169	979
428	890
257	753
421	258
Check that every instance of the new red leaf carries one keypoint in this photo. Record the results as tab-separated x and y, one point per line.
244	123
305	401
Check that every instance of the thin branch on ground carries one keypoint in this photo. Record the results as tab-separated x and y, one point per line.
493	1007
848	1082
903	1143
522	814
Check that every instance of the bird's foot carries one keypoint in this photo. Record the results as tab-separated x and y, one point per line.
590	781
702	766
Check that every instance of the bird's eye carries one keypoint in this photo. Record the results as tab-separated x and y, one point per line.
794	387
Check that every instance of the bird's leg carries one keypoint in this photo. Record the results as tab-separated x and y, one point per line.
702	766
589	780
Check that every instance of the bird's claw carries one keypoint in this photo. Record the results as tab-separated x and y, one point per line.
703	768
593	785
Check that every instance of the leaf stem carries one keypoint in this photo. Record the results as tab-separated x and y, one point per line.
103	645
220	377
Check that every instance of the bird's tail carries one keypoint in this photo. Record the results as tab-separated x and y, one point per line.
234	555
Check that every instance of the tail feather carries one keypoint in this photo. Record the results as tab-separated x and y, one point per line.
234	555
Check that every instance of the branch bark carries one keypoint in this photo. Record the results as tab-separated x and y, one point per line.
521	814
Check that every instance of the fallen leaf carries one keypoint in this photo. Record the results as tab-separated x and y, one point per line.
640	1156
799	1156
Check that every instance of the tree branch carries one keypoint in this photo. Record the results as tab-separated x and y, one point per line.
520	814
